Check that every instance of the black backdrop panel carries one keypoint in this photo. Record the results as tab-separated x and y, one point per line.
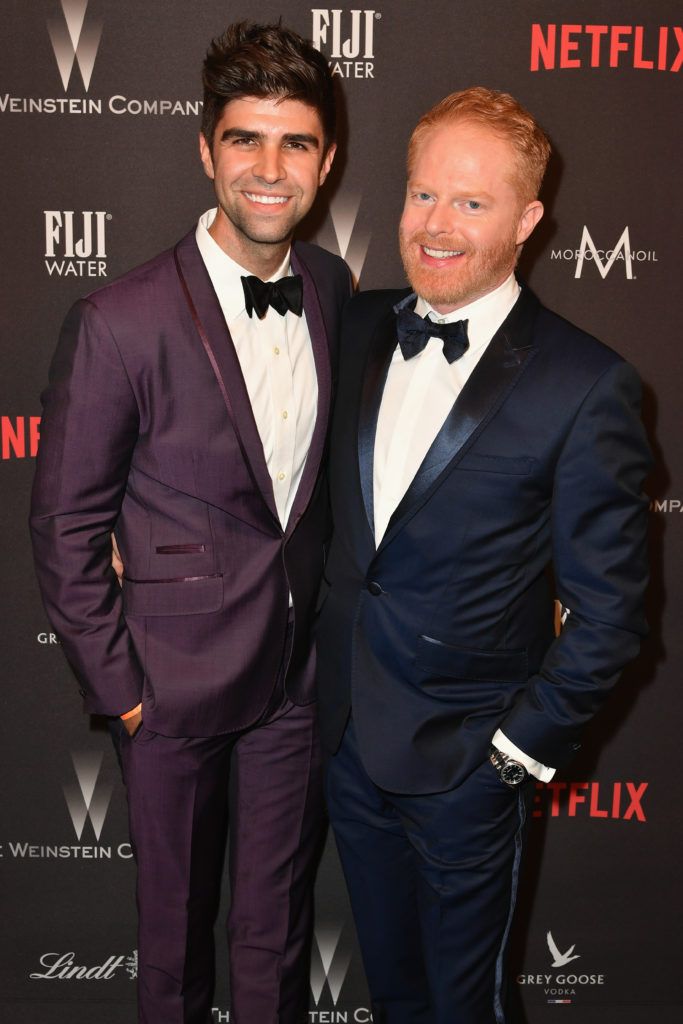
99	113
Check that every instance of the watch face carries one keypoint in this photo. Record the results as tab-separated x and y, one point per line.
513	774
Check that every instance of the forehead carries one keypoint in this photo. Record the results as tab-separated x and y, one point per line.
271	115
465	154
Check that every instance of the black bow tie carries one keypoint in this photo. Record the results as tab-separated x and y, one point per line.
287	293
414	332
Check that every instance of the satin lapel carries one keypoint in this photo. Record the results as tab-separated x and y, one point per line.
377	365
510	351
219	347
321	356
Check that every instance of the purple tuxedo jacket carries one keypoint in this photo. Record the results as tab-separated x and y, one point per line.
148	432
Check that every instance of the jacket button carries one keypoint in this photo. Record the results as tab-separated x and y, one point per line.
82	693
375	588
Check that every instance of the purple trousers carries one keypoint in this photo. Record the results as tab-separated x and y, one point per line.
265	783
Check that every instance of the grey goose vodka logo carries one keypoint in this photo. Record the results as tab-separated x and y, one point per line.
75	35
560	959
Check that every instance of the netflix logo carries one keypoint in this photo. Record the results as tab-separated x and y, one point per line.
613	800
20	436
563	47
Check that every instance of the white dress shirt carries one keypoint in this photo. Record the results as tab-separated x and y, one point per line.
418	396
277	363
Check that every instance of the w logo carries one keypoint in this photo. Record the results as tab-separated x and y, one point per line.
74	40
81	799
328	963
351	236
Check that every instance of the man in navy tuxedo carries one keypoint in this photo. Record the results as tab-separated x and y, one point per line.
477	438
188	412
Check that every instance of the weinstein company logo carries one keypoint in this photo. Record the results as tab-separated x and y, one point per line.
84	798
87	799
621	254
350	238
330	959
561	988
75	39
76	243
74	28
347	38
329	963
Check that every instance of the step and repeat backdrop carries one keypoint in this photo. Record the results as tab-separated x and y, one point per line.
99	113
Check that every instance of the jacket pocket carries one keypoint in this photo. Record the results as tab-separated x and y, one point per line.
180	549
520	465
186	595
449	661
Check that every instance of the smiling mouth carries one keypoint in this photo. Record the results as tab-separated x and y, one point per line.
265	200
441	254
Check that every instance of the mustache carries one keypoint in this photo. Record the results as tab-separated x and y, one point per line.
447	243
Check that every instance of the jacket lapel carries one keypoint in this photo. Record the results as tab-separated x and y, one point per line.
321	356
381	350
220	350
508	354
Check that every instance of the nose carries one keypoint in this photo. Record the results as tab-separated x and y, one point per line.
441	220
268	166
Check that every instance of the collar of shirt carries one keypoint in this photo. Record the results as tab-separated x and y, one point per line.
226	273
484	315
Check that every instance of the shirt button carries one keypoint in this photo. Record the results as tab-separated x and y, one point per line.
276	350
281	476
284	414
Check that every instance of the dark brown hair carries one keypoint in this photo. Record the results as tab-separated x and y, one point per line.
264	61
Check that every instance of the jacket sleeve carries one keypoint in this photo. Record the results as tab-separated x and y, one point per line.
599	537
88	434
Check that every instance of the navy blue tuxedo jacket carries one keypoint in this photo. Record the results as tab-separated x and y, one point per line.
148	431
445	631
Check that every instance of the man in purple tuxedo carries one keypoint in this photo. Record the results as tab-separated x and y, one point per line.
187	413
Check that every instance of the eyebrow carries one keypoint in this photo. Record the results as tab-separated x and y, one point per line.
244	133
416	186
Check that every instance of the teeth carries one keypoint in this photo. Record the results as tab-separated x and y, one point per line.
266	200
441	254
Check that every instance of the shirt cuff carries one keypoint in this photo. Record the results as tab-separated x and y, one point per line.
131	713
535	768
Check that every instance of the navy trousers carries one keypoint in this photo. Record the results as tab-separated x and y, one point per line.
433	884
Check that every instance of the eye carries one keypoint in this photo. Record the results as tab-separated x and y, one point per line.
472	204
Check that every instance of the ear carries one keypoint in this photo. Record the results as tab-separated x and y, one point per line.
206	158
327	163
528	220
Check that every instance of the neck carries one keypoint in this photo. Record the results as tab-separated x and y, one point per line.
259	258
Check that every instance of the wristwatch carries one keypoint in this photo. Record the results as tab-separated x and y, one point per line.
511	772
